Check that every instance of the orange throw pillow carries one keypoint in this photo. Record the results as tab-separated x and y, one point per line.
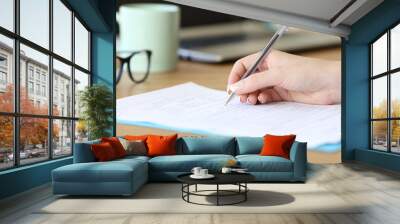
116	145
277	145
136	137
103	152
161	145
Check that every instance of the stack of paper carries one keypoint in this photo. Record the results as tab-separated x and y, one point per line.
193	108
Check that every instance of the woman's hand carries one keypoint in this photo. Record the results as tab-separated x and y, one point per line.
287	77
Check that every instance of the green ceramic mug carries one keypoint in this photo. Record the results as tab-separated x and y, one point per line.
154	27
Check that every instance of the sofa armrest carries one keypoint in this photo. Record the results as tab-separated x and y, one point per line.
83	153
298	155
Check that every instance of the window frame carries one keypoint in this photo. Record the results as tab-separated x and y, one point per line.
388	74
16	115
3	70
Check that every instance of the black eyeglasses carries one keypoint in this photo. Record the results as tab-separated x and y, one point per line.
137	74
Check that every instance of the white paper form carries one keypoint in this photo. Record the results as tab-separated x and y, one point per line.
197	109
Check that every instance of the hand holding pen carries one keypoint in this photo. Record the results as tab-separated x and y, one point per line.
286	77
262	55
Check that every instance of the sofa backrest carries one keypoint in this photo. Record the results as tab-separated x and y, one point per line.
192	146
249	145
83	152
206	145
253	145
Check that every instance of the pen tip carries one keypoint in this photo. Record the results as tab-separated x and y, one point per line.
230	96
227	101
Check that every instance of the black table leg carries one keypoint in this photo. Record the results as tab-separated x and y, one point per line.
245	193
188	190
182	190
195	188
217	194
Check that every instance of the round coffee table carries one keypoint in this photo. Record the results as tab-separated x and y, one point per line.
238	179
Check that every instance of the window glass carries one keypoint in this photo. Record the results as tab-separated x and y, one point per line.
33	140
34	21
81	82
395	47
379	56
62	29
34	81
6	74
379	135
395	136
30	87
6	142
81	131
38	92
30	58
7	14
379	97
395	94
62	138
43	92
81	45
62	89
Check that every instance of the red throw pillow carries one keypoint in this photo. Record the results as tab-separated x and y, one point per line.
161	145
116	145
103	152
277	145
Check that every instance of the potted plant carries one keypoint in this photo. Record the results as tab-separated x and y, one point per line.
96	104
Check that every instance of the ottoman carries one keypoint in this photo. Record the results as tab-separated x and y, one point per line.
119	177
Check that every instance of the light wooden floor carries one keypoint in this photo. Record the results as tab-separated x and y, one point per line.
378	189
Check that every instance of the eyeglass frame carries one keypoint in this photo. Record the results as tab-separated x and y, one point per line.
127	59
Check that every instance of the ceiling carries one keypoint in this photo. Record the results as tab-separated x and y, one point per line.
326	16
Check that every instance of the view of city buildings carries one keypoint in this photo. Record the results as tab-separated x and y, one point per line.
34	82
42	123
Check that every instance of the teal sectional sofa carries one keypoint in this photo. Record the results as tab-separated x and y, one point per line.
125	176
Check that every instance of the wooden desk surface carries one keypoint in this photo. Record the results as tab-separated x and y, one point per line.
210	75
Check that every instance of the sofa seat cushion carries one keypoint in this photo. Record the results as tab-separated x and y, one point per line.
185	163
133	157
257	163
113	171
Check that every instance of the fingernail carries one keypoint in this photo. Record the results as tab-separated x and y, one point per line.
261	99
228	89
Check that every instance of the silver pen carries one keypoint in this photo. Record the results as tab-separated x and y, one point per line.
263	54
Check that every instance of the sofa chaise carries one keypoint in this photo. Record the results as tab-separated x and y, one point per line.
125	176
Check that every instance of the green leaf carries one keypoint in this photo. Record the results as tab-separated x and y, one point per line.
96	102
